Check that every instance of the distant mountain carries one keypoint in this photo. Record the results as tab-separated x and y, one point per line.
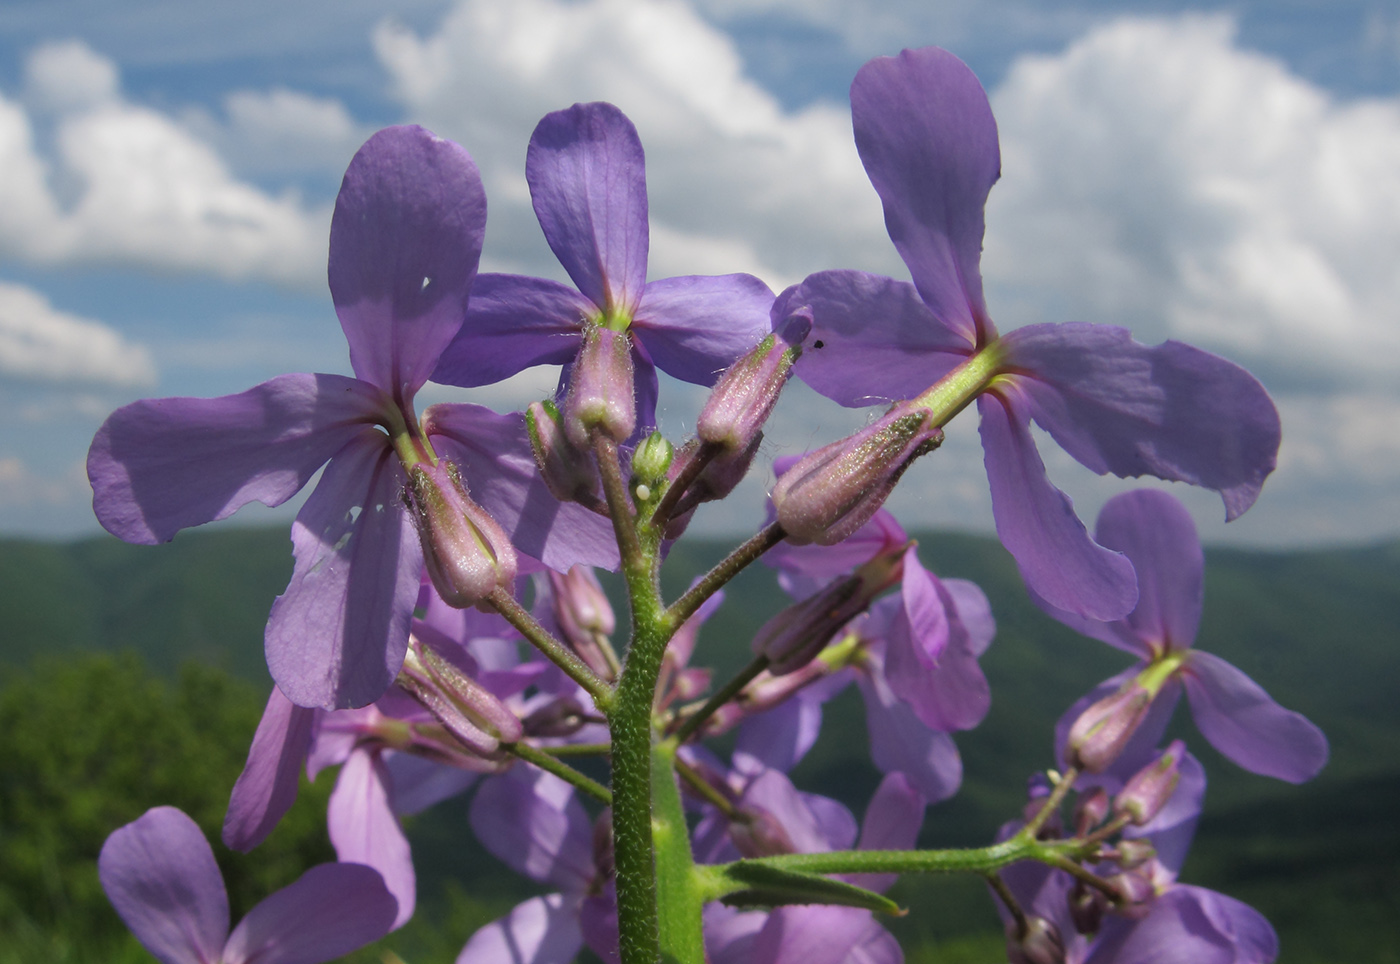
1319	629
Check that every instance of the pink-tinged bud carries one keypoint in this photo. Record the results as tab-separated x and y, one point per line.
1133	852
757	833
569	473
1040	943
1134	890
1148	790
1090	810
468	555
1086	907
745	394
833	491
561	717
584	615
468	711
794	636
1104	728
719	476
602	392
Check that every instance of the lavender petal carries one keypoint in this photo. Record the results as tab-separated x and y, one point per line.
696	326
364	829
533	822
542	930
267	787
330	910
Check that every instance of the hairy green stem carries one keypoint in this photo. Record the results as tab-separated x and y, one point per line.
729	567
554	765
981	860
561	655
721	696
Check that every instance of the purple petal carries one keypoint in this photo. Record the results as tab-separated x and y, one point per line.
873	339
364	830
781	737
878	946
587	176
809	831
1241	721
1189	925
694	327
899	742
405	241
513	323
973	611
811	934
534	823
1157	535
493	452
823	563
730	933
336	637
926	135
267	787
597	919
331	910
543	930
420	783
160	465
1170	410
891	822
1037	524
160	875
1174	826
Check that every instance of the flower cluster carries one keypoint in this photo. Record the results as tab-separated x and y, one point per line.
444	630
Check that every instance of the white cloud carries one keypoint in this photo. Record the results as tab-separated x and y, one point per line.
1157	175
732	177
131	186
40	343
282	131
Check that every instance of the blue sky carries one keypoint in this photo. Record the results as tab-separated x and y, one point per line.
1224	174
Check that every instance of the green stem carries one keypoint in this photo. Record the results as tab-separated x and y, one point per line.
554	765
578	749
619	505
729	567
702	787
561	655
981	860
722	696
677	886
1052	802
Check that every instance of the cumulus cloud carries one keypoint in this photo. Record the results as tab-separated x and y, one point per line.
282	131
40	343
127	185
1157	175
736	182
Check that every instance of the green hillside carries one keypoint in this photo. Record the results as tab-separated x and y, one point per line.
1318	629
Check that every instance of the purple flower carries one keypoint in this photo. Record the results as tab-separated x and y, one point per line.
405	241
160	875
1178	924
926	135
533	821
1155	532
813	934
587	178
914	656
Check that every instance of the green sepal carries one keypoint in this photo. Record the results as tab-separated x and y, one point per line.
751	885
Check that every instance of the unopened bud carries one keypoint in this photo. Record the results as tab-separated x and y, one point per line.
1133	852
568	472
467	554
720	475
650	463
1086	907
1038	943
1090	810
1148	790
794	636
745	394
561	717
832	492
602	391
757	833
581	606
1101	732
1134	891
468	711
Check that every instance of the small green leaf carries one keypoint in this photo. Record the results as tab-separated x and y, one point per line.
744	884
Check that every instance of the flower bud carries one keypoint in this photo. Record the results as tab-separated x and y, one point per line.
1133	852
832	492
583	613
1134	890
1090	810
757	833
650	464
468	711
1039	944
745	394
560	717
719	476
1086	907
1101	732
602	391
1148	790
794	636
467	554
570	474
